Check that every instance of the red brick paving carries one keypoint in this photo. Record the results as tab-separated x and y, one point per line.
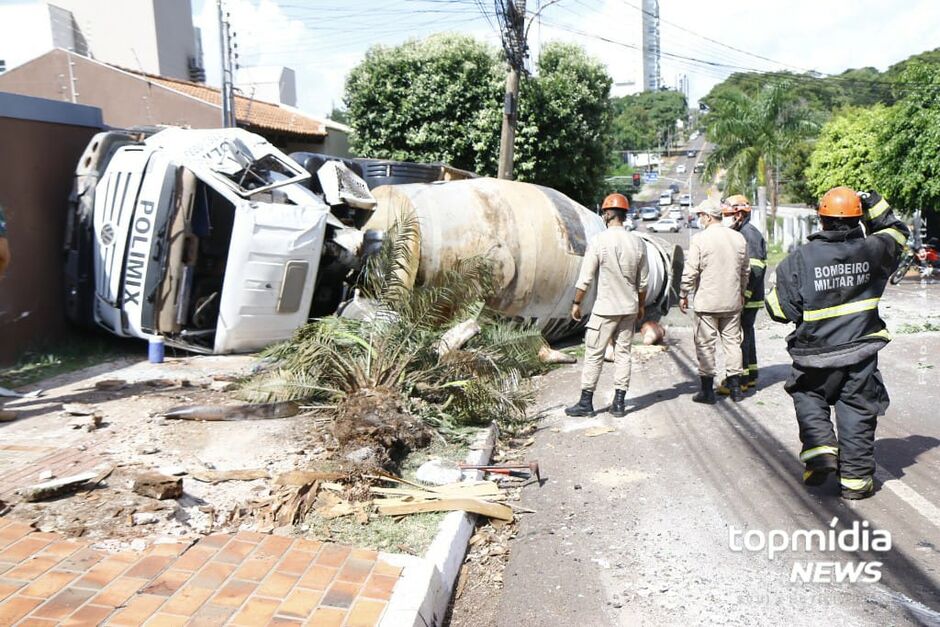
243	579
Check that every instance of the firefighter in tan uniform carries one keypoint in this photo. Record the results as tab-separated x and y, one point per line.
618	259
716	270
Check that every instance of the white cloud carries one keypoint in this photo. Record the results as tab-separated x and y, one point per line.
322	44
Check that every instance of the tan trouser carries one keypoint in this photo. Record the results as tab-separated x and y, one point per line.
708	328
600	330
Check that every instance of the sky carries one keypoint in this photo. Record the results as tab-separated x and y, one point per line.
322	40
706	40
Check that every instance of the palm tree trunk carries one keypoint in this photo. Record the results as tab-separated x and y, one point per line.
771	177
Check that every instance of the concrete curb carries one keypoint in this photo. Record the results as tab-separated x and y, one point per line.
423	593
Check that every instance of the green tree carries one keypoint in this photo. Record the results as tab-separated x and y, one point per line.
563	140
435	100
645	119
845	151
441	99
907	162
752	134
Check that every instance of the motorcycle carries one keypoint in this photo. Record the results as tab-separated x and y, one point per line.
927	260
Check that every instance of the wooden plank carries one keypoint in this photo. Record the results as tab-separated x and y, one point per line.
476	506
218	476
303	477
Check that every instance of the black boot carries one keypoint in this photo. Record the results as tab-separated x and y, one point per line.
585	406
707	393
734	384
618	408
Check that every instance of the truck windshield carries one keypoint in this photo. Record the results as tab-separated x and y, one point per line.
249	175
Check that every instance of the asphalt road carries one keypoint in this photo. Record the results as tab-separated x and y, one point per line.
633	526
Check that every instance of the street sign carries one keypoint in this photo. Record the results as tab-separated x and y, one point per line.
650	177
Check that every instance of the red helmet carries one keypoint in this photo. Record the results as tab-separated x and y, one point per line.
616	201
841	202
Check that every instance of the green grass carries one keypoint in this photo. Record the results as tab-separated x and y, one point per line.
74	353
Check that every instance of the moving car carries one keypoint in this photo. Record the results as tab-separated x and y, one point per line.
665	199
649	213
674	188
690	153
699	167
677	214
685	200
665	225
629	224
680	169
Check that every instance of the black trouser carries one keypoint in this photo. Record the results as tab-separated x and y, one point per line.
749	343
859	396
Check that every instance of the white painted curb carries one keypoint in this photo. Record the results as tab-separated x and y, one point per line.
421	596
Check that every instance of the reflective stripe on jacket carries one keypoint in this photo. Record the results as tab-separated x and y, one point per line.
831	286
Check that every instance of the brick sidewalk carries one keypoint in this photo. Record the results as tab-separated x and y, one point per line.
245	578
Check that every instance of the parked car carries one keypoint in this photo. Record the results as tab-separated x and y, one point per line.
674	188
680	169
665	199
685	200
665	225
649	213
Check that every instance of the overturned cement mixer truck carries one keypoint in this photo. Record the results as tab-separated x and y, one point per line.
220	243
535	236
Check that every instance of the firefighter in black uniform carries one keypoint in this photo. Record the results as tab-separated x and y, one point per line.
736	214
830	287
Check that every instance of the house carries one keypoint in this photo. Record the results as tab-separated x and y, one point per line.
130	98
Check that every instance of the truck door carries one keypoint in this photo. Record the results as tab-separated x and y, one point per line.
270	274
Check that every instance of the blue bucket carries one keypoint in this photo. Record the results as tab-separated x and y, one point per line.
156	350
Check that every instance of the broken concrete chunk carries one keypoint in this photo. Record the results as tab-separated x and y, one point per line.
438	472
148	449
145	518
57	487
158	486
46	475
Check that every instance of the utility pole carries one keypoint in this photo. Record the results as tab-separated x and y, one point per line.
228	89
512	18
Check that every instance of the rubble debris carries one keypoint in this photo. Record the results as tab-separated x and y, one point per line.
439	472
82	416
13	394
79	409
144	518
288	506
148	449
218	476
223	386
457	336
262	411
172	471
548	355
46	475
652	333
330	505
306	477
478	497
58	487
7	416
110	385
158	486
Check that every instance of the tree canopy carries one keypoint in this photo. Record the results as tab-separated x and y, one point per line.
845	151
907	162
441	99
642	120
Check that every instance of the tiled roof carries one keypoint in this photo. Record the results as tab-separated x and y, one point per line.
248	112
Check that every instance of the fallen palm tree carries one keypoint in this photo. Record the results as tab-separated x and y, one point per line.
409	359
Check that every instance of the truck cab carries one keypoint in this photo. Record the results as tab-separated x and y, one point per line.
206	237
